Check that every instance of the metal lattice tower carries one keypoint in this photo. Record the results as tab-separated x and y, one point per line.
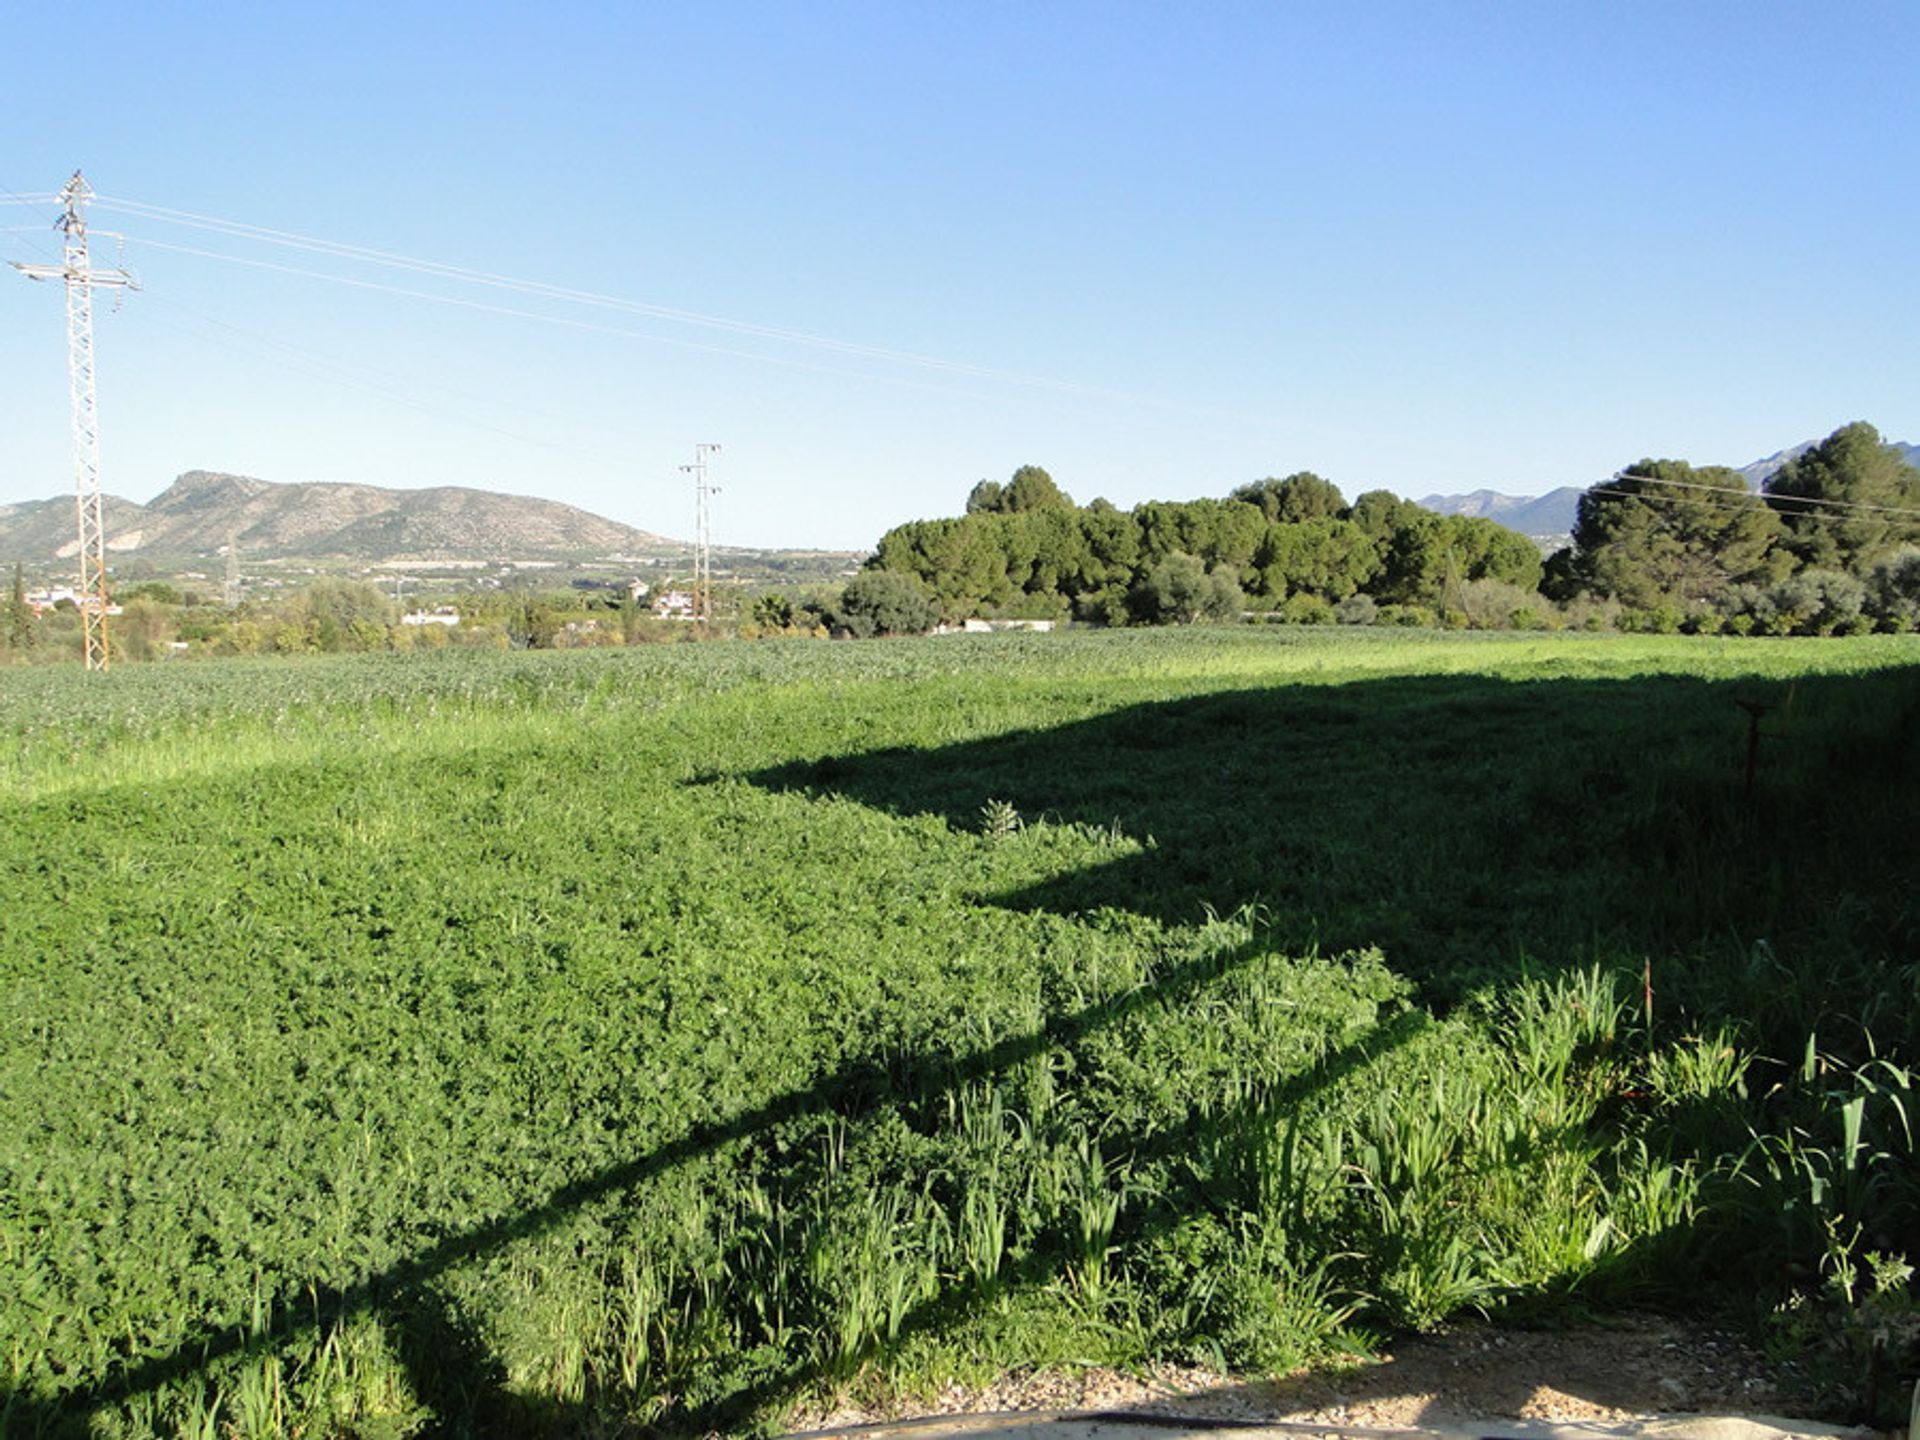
702	537
232	589
80	278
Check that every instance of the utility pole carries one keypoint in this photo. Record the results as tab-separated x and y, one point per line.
232	596
80	278
702	538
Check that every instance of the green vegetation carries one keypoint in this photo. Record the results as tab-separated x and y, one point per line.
1026	551
634	1041
1833	547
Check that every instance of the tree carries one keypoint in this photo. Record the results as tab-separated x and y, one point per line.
1381	512
1032	488
885	602
963	562
1814	492
325	612
1325	557
1218	532
985	498
1485	549
1179	589
1664	533
772	611
1302	495
19	614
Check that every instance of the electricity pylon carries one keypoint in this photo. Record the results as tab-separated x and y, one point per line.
232	590
80	278
702	538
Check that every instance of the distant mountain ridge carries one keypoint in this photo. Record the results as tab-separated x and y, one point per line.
200	511
1553	513
1548	514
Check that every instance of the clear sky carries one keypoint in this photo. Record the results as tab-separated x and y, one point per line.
1161	249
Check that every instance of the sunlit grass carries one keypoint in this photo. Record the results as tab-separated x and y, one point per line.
640	1038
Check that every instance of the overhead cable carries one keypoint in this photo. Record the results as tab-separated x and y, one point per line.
572	295
1762	495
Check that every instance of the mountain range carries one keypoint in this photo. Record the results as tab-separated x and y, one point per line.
196	516
201	511
1552	514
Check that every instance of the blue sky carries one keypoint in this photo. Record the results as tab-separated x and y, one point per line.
1160	249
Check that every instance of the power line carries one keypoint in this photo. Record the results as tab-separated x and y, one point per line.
1754	503
1763	495
567	322
341	373
572	295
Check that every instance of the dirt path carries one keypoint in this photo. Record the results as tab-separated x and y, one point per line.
1638	1370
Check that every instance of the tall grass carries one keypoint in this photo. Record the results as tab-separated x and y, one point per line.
633	1040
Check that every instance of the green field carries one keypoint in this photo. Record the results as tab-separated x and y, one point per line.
637	1041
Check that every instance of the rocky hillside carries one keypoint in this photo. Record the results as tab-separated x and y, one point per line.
1549	514
197	514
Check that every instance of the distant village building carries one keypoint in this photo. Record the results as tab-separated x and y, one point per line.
439	615
976	626
41	601
673	605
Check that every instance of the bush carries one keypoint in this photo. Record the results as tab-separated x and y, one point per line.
1357	610
1180	590
1306	609
1893	590
885	602
1663	619
1817	602
1493	604
1107	606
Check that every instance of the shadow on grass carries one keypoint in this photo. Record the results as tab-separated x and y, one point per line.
1461	824
448	1365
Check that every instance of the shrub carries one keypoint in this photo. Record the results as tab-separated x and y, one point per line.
1305	609
1180	590
1357	610
885	602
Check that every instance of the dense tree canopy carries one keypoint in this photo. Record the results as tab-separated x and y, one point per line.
1018	551
1840	500
1031	488
1664	533
1300	496
1832	547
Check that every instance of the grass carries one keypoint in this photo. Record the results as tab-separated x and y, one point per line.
636	1041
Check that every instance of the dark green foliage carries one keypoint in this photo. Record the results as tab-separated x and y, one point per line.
1181	589
1301	496
772	611
1278	538
1895	589
1664	533
1854	467
884	602
1327	558
984	498
1481	549
1030	488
